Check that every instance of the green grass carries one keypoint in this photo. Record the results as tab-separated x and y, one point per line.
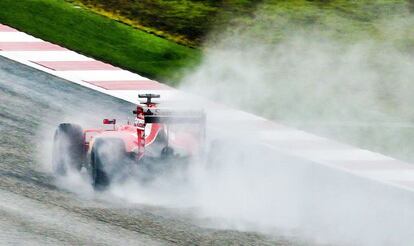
94	35
339	19
191	21
96	29
184	21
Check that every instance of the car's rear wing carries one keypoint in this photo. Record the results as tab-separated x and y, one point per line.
154	114
177	117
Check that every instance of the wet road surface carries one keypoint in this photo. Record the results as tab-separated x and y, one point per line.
35	210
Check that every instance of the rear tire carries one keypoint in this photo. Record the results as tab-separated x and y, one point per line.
107	158
68	149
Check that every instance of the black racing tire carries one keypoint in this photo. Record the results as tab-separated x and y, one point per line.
107	157
167	152
68	148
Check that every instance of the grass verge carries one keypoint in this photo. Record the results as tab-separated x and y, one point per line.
102	38
183	21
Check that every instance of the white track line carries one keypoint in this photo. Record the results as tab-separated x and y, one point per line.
102	75
47	55
341	155
17	37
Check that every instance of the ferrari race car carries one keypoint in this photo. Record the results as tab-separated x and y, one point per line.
158	140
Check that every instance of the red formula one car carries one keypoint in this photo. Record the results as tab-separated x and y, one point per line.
158	140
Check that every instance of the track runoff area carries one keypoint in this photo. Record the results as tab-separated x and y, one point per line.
119	83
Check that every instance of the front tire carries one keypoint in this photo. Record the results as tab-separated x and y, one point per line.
68	149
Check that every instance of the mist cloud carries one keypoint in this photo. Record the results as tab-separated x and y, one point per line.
358	91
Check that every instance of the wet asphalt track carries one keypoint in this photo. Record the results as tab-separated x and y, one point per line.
33	210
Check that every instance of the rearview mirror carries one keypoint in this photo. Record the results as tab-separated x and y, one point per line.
109	122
